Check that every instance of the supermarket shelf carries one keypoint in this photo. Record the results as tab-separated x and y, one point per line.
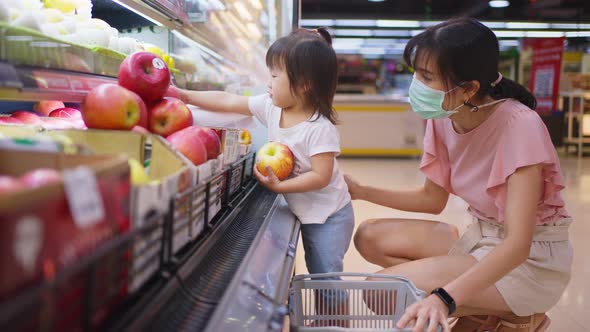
263	277
24	83
243	238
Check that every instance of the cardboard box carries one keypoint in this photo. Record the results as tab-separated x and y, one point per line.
171	173
46	230
245	149
230	144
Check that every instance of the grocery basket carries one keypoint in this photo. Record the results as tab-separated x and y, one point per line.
388	296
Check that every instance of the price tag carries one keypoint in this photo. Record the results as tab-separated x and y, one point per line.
83	196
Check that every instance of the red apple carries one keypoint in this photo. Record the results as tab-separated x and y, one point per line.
212	142
45	107
70	115
109	106
278	156
143	113
168	116
145	74
173	92
7	119
187	142
26	117
66	113
141	130
9	184
40	177
245	137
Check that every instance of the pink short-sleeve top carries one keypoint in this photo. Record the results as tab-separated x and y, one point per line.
476	165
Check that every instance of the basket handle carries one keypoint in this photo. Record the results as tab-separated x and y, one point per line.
359	274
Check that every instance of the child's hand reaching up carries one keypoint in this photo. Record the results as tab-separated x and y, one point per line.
270	181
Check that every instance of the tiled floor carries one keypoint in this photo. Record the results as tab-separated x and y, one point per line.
573	311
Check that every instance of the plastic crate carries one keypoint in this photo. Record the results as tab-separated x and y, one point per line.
82	296
389	297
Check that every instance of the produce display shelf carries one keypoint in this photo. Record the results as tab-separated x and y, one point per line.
192	291
24	83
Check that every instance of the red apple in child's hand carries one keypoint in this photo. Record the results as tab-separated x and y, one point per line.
40	177
45	107
168	116
26	117
278	156
145	74
9	184
187	142
109	106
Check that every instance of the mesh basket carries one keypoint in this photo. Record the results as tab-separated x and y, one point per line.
349	302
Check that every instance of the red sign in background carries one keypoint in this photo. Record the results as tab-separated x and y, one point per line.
545	71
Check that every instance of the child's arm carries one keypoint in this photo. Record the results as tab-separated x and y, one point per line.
319	177
216	101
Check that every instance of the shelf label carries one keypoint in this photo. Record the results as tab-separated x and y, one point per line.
83	196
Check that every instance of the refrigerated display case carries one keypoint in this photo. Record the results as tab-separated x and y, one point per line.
233	274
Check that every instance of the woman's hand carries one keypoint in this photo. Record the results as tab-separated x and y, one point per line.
354	188
269	181
428	313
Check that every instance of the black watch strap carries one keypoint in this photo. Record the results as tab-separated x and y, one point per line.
446	298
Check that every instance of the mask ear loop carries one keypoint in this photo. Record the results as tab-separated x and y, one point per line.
473	109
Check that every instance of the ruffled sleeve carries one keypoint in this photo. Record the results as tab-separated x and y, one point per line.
435	160
526	142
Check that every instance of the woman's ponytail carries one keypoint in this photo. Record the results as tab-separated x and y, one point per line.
507	88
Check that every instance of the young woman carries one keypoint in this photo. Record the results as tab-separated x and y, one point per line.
485	144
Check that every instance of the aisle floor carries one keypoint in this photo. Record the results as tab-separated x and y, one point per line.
572	312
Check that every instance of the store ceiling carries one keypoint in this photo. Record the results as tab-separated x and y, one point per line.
522	10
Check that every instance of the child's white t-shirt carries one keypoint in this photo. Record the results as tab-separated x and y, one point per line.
305	140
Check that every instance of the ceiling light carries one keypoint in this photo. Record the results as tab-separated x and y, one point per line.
499	3
397	24
355	23
139	13
526	25
376	0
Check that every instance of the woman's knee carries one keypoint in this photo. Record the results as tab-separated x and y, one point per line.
365	236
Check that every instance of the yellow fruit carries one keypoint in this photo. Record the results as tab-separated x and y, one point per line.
65	6
169	60
138	174
154	49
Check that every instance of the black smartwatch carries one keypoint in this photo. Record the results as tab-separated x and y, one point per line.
446	298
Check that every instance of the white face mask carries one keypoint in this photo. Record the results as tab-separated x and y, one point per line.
427	102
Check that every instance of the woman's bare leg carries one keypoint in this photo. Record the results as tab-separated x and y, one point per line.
389	242
417	249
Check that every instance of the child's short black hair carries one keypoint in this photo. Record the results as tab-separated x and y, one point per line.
311	65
